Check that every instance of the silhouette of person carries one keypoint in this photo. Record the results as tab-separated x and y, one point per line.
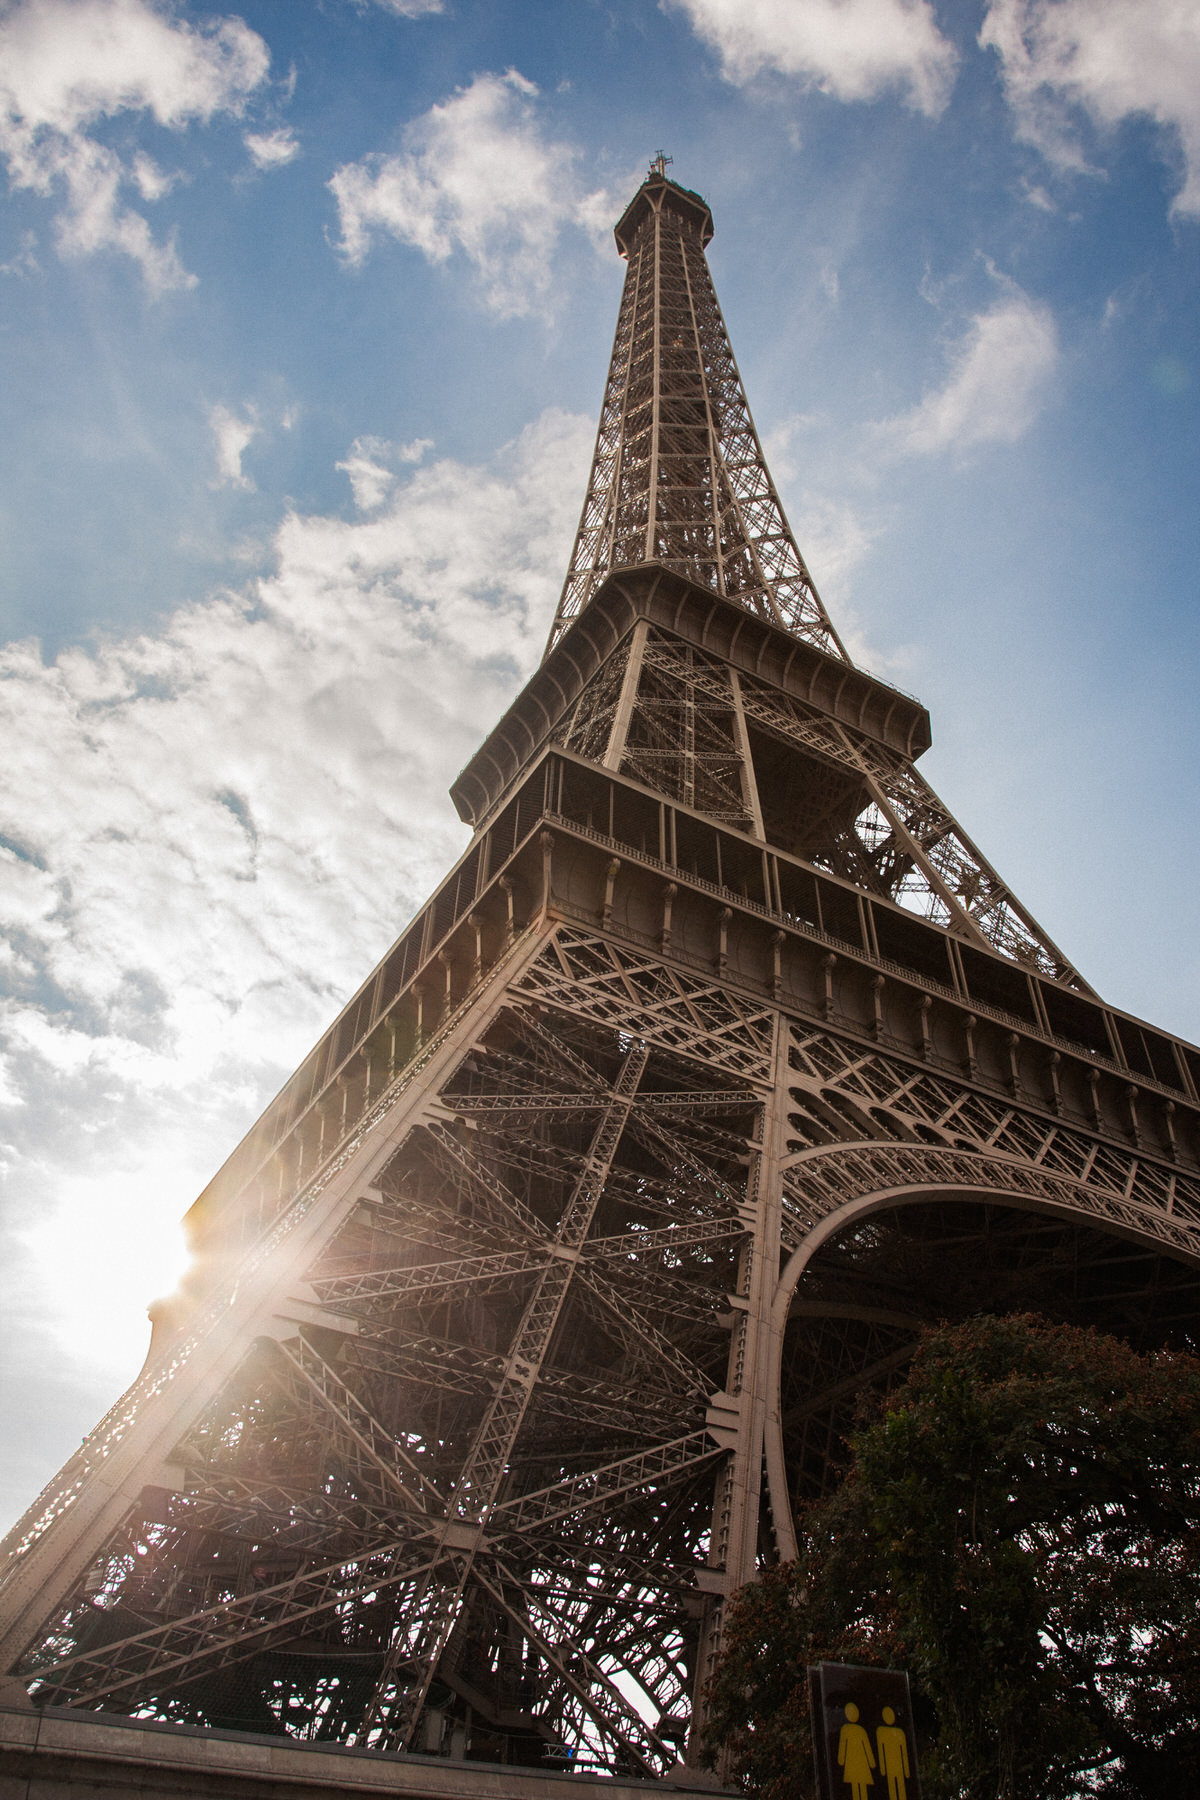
854	1755
892	1744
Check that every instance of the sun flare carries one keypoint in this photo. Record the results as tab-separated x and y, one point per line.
108	1251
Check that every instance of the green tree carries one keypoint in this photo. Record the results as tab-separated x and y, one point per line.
1019	1527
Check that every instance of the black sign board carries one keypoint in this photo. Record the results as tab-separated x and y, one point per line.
863	1738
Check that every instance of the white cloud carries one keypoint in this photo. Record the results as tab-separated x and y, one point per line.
1114	59
850	49
152	183
369	467
66	65
996	384
233	434
478	176
217	828
371	477
25	261
410	9
272	149
1036	195
836	537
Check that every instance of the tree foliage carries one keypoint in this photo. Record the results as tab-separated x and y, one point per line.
1019	1527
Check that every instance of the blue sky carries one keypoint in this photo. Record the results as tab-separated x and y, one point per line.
305	310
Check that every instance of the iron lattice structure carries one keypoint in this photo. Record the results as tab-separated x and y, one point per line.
679	476
720	1063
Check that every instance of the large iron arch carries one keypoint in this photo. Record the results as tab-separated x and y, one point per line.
847	1184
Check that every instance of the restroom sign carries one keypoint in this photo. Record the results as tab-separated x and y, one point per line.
863	1741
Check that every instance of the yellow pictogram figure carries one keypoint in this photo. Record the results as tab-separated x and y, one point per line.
892	1744
854	1755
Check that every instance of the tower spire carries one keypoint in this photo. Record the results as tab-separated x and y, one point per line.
678	477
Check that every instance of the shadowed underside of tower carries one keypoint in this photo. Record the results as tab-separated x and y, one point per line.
720	1063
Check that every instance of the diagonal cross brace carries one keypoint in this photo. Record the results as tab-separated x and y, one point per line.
502	1207
638	1335
379	1446
231	1630
421	1278
670	1237
584	1690
599	1487
487	1460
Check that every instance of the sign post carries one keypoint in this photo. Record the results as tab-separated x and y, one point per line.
863	1740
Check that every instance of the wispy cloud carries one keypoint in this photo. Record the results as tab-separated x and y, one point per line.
850	49
1109	59
67	65
998	373
369	467
233	434
406	9
479	177
25	262
214	829
272	149
996	384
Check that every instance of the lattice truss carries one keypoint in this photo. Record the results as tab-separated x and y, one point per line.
588	726
845	1096
840	800
678	475
480	1478
685	736
478	1472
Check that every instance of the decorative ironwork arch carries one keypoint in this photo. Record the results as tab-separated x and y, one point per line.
855	1181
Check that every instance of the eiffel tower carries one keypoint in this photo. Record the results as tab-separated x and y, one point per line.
720	1063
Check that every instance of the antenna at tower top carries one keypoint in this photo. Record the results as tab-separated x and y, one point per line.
660	164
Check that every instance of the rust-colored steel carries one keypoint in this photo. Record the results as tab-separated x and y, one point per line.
720	1064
